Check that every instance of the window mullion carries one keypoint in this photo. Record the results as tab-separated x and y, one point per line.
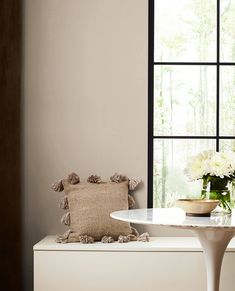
218	77
150	101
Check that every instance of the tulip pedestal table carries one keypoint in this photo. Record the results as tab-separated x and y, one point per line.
214	233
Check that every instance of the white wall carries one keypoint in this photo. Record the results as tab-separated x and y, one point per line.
85	101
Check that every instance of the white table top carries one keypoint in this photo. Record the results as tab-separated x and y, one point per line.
174	217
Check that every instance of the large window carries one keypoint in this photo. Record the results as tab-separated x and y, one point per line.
191	90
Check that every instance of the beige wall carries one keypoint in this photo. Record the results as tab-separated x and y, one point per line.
85	101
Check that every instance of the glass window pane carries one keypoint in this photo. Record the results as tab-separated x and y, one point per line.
185	30
170	159
227	101
227	29
227	145
184	100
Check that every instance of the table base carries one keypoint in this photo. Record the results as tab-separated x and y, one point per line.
214	243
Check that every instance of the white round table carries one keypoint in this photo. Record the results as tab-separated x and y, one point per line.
214	233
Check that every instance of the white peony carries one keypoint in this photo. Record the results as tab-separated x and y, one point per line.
198	166
207	154
220	164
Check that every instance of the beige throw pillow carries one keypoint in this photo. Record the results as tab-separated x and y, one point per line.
90	206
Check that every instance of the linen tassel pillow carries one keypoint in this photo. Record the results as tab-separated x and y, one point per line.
89	205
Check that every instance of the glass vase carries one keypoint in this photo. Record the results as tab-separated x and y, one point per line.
219	189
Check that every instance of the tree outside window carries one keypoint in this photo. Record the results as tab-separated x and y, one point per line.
192	86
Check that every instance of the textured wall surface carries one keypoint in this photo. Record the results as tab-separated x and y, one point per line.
85	101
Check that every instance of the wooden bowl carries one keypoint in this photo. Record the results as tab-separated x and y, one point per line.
197	207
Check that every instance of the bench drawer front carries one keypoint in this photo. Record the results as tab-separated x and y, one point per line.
115	271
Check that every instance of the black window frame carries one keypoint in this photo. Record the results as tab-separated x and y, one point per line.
151	64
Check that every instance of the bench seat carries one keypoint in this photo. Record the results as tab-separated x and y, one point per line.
163	264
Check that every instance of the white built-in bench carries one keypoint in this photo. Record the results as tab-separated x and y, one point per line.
163	264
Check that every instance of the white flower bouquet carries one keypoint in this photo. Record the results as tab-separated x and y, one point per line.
217	170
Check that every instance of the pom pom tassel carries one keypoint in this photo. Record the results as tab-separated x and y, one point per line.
94	179
123	239
63	204
132	237
134	231
131	201
63	238
66	219
144	237
86	239
134	183
117	178
107	239
73	178
57	186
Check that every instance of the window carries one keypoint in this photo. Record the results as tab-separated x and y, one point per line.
191	90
